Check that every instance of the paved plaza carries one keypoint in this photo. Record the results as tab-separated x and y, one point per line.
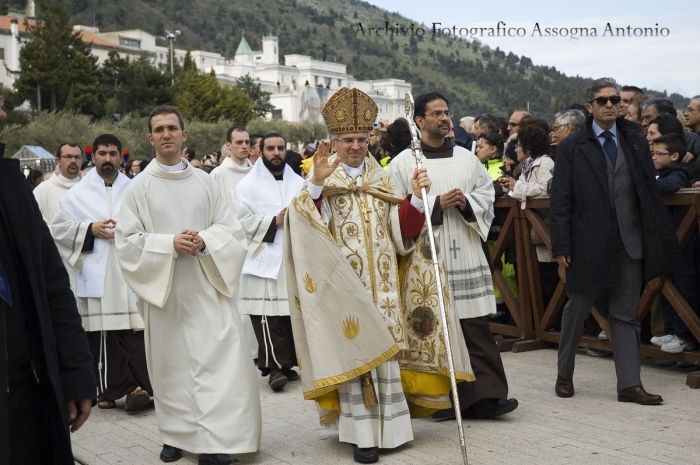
590	428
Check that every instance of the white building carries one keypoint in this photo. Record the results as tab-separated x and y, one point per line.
299	87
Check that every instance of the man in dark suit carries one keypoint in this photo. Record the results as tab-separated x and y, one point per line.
610	230
46	379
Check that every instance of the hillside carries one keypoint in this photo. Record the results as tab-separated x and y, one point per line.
474	77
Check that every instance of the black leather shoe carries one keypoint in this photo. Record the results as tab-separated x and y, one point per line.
492	408
365	454
170	454
216	459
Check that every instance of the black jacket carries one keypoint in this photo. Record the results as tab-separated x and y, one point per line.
582	222
66	360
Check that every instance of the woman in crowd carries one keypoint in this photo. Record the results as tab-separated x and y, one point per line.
533	154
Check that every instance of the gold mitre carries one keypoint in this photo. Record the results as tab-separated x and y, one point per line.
349	110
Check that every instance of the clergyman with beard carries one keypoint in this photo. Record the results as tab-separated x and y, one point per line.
266	192
83	229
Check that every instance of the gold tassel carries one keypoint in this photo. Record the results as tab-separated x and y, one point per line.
368	394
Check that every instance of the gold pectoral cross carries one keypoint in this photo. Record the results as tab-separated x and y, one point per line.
365	213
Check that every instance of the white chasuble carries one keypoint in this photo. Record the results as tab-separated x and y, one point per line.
48	195
459	240
104	300
205	388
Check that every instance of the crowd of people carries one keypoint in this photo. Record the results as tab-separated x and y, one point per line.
164	279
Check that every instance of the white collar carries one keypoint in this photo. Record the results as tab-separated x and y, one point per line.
179	167
353	172
66	180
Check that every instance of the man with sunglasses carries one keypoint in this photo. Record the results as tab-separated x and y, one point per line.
610	230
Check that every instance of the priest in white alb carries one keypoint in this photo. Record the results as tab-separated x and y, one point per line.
181	251
233	168
266	193
69	158
462	211
358	344
83	228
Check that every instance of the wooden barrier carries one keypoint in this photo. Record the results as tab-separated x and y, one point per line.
519	308
543	318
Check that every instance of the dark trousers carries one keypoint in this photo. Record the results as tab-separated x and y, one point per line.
280	340
623	320
32	418
125	364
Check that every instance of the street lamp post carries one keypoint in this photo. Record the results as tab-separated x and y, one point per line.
170	36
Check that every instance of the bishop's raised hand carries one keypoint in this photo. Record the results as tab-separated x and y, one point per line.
323	167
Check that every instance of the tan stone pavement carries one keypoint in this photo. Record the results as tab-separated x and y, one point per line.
590	428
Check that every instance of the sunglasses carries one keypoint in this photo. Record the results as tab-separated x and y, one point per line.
602	101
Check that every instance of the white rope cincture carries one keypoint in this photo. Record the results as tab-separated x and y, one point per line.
103	353
266	337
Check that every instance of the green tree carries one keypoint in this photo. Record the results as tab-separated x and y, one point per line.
200	96
259	97
133	85
56	68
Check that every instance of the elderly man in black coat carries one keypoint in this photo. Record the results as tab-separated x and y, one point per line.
610	230
46	366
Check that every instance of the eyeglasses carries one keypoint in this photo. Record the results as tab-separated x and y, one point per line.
438	113
515	125
556	128
602	101
71	157
360	142
659	154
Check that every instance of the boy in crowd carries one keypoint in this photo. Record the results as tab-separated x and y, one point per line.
674	175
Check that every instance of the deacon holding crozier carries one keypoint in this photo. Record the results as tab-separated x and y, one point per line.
462	199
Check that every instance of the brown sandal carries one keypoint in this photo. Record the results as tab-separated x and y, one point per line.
136	400
106	404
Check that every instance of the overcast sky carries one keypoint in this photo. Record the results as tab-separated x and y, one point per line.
669	63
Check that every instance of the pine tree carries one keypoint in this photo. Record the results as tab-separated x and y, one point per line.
259	97
56	68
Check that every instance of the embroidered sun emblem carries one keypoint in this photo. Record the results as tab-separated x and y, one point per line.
368	115
341	115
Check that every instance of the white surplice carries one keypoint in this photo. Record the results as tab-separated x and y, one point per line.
458	240
104	299
48	195
227	176
205	388
264	282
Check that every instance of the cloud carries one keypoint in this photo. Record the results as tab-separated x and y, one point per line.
659	63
